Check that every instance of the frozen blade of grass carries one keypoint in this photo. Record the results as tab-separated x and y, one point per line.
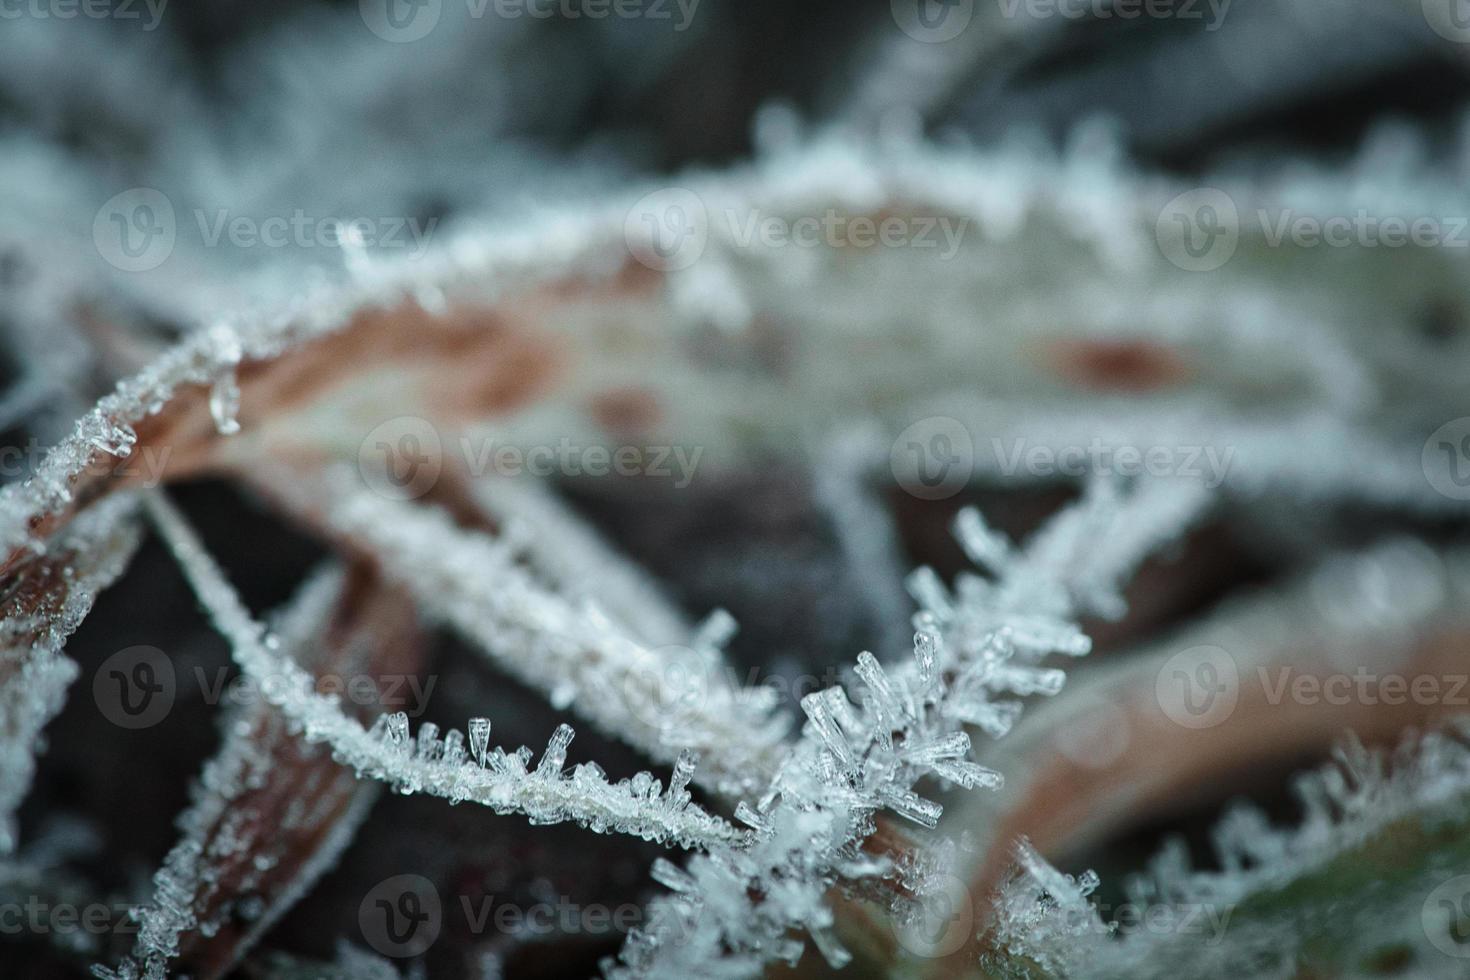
1352	878
506	788
159	424
271	813
45	601
472	582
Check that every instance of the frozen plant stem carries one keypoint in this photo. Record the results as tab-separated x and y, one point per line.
474	583
430	765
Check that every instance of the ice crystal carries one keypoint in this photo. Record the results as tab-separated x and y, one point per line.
1044	916
735	908
472	582
384	752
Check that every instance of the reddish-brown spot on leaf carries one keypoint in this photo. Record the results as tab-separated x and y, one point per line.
1124	364
626	411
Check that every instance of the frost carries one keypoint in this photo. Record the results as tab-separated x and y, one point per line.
473	583
1307	413
733	909
52	597
384	751
1044	916
224	404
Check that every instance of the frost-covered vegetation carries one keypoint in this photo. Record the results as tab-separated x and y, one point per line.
1091	522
